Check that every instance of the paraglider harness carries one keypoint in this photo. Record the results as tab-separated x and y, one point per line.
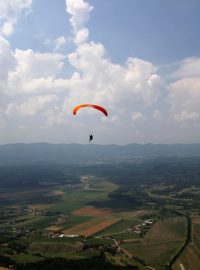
90	137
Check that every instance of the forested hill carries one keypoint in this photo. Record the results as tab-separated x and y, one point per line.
45	153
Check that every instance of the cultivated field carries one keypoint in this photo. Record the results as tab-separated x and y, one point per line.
91	227
157	254
196	232
92	211
51	247
167	230
189	259
196	220
54	228
120	226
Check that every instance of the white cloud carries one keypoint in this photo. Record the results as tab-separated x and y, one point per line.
188	68
185	116
34	86
59	42
10	12
35	73
33	80
81	36
79	11
30	107
99	80
137	117
184	94
7	59
55	116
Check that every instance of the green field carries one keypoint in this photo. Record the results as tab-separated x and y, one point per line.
77	198
157	254
26	258
167	229
120	226
53	247
32	231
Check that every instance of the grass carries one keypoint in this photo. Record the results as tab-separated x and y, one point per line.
25	258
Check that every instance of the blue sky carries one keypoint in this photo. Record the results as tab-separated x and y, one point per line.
140	59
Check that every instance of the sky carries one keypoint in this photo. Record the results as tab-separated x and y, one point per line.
139	59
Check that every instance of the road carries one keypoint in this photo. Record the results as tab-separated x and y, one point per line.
182	266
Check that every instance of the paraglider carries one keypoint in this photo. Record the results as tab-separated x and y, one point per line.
97	107
90	137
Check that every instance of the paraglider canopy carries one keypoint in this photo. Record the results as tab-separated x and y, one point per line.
97	107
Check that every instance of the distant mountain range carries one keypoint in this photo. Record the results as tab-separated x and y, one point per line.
45	153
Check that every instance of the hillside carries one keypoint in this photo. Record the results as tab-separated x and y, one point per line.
37	153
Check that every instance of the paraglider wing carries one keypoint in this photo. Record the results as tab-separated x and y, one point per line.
97	107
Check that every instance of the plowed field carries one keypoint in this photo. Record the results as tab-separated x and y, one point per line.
92	211
91	227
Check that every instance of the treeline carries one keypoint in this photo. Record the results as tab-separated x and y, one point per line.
179	172
96	263
33	176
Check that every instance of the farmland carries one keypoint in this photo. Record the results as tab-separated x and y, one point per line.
154	254
91	227
190	259
92	211
167	230
160	243
106	215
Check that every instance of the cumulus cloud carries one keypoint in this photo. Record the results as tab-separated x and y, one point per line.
120	87
33	85
31	106
189	67
7	59
10	12
184	94
81	36
35	72
79	11
55	116
59	42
